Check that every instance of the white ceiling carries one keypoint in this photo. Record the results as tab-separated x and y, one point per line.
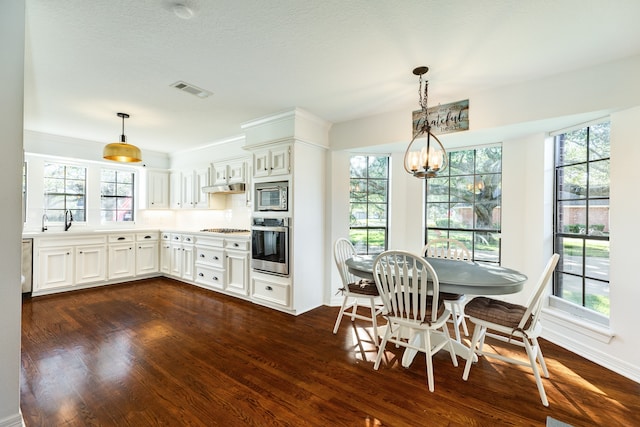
86	60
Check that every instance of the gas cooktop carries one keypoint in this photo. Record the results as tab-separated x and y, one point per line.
225	230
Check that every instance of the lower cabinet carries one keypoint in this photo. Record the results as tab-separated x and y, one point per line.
122	256
90	264
270	289
237	266
56	268
181	256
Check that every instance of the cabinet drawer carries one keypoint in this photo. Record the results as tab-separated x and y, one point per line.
184	238
238	245
210	241
271	291
146	237
121	238
210	257
210	277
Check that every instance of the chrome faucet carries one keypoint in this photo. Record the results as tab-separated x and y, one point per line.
68	219
44	218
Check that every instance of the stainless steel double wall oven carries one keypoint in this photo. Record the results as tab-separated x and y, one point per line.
270	245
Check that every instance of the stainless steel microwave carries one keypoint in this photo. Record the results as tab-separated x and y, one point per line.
272	196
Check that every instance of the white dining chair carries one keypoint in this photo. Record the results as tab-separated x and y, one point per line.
355	290
408	287
514	324
451	249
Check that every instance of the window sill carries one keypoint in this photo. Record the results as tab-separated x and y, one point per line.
571	320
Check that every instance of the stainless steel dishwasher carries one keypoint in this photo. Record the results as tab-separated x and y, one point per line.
27	265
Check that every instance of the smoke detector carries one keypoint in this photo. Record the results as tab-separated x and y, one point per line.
193	90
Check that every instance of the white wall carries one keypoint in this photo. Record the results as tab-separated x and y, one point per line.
521	117
12	24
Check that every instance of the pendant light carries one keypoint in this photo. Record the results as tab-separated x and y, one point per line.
425	156
121	151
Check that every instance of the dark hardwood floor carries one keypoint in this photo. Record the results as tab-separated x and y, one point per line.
159	352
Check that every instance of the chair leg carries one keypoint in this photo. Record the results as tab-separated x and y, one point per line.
456	319
452	351
426	340
463	322
374	320
536	373
545	371
339	319
383	344
477	333
355	309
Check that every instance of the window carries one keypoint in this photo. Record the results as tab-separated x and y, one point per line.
369	203
64	189
581	225
464	203
116	198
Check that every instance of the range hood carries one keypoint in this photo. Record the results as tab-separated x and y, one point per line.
225	189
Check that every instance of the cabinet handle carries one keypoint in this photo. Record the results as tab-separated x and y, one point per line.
120	238
81	252
176	238
68	253
188	239
130	248
201	274
216	258
215	278
236	245
147	237
201	255
268	288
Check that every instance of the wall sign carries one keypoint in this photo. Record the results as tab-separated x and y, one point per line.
447	118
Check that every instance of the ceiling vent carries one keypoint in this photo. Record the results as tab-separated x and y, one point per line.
193	90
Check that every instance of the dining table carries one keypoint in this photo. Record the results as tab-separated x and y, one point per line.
456	277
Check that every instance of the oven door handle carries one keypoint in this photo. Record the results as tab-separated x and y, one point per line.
267	228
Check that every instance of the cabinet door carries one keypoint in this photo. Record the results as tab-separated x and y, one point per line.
165	258
236	172
219	174
56	268
175	190
176	260
147	258
187	262
238	272
261	163
122	261
157	190
201	199
91	264
187	190
279	158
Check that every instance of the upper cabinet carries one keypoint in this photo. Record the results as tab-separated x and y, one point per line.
157	190
272	161
229	172
186	188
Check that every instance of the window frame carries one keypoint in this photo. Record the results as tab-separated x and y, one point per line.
584	236
367	228
82	196
474	230
117	197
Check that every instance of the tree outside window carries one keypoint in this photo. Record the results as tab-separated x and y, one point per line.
64	189
581	226
116	199
369	207
464	203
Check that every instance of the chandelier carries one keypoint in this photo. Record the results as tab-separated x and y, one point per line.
425	156
121	151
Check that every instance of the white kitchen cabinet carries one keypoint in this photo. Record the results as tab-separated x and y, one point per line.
157	190
146	253
229	172
122	256
272	161
237	264
189	186
273	290
209	262
182	256
56	268
90	263
175	190
165	253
